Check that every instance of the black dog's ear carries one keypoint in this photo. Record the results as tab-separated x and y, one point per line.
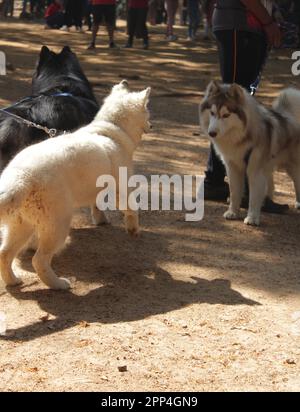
66	49
44	52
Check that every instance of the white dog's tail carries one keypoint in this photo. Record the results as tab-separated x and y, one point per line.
11	194
289	102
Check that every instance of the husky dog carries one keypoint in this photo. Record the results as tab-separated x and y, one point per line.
40	187
62	98
254	140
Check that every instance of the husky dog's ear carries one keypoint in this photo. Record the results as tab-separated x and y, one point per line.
212	88
236	92
145	96
44	52
66	49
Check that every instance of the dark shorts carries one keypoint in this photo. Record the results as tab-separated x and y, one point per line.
106	12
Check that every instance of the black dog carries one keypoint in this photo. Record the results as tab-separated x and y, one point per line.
62	98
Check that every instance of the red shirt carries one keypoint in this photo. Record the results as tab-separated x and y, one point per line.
138	4
52	9
253	22
97	2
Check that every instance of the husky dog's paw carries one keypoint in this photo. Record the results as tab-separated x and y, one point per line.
61	284
297	205
13	281
252	220
230	215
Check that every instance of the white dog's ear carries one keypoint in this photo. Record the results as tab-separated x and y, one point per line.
121	87
237	92
124	83
212	88
145	94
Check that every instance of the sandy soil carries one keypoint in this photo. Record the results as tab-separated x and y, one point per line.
200	306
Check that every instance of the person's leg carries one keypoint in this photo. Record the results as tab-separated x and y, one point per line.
32	4
144	30
68	14
193	12
171	8
24	6
131	25
87	16
190	16
97	12
78	14
110	20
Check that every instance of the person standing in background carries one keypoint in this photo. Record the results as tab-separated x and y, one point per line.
244	30
137	22
8	8
103	10
73	15
54	16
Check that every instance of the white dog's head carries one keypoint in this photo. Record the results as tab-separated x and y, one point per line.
222	113
128	110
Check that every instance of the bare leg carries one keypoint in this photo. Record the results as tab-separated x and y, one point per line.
236	182
95	29
16	234
110	31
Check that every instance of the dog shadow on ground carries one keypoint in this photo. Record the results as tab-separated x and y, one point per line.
125	283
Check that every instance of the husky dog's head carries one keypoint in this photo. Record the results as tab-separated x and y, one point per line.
128	110
222	111
61	70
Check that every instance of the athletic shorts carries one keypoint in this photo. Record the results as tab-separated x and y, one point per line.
106	12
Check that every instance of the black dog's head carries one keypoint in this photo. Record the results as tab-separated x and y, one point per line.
60	70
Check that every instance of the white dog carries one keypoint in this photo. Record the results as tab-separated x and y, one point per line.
44	183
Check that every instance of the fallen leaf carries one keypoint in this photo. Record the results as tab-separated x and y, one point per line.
83	324
34	369
290	362
44	318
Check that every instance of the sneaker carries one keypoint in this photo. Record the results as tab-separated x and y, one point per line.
112	45
79	29
145	46
269	206
172	37
218	192
64	28
91	46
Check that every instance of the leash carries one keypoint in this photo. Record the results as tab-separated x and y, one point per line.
50	132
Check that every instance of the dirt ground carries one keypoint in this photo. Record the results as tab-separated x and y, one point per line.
206	306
